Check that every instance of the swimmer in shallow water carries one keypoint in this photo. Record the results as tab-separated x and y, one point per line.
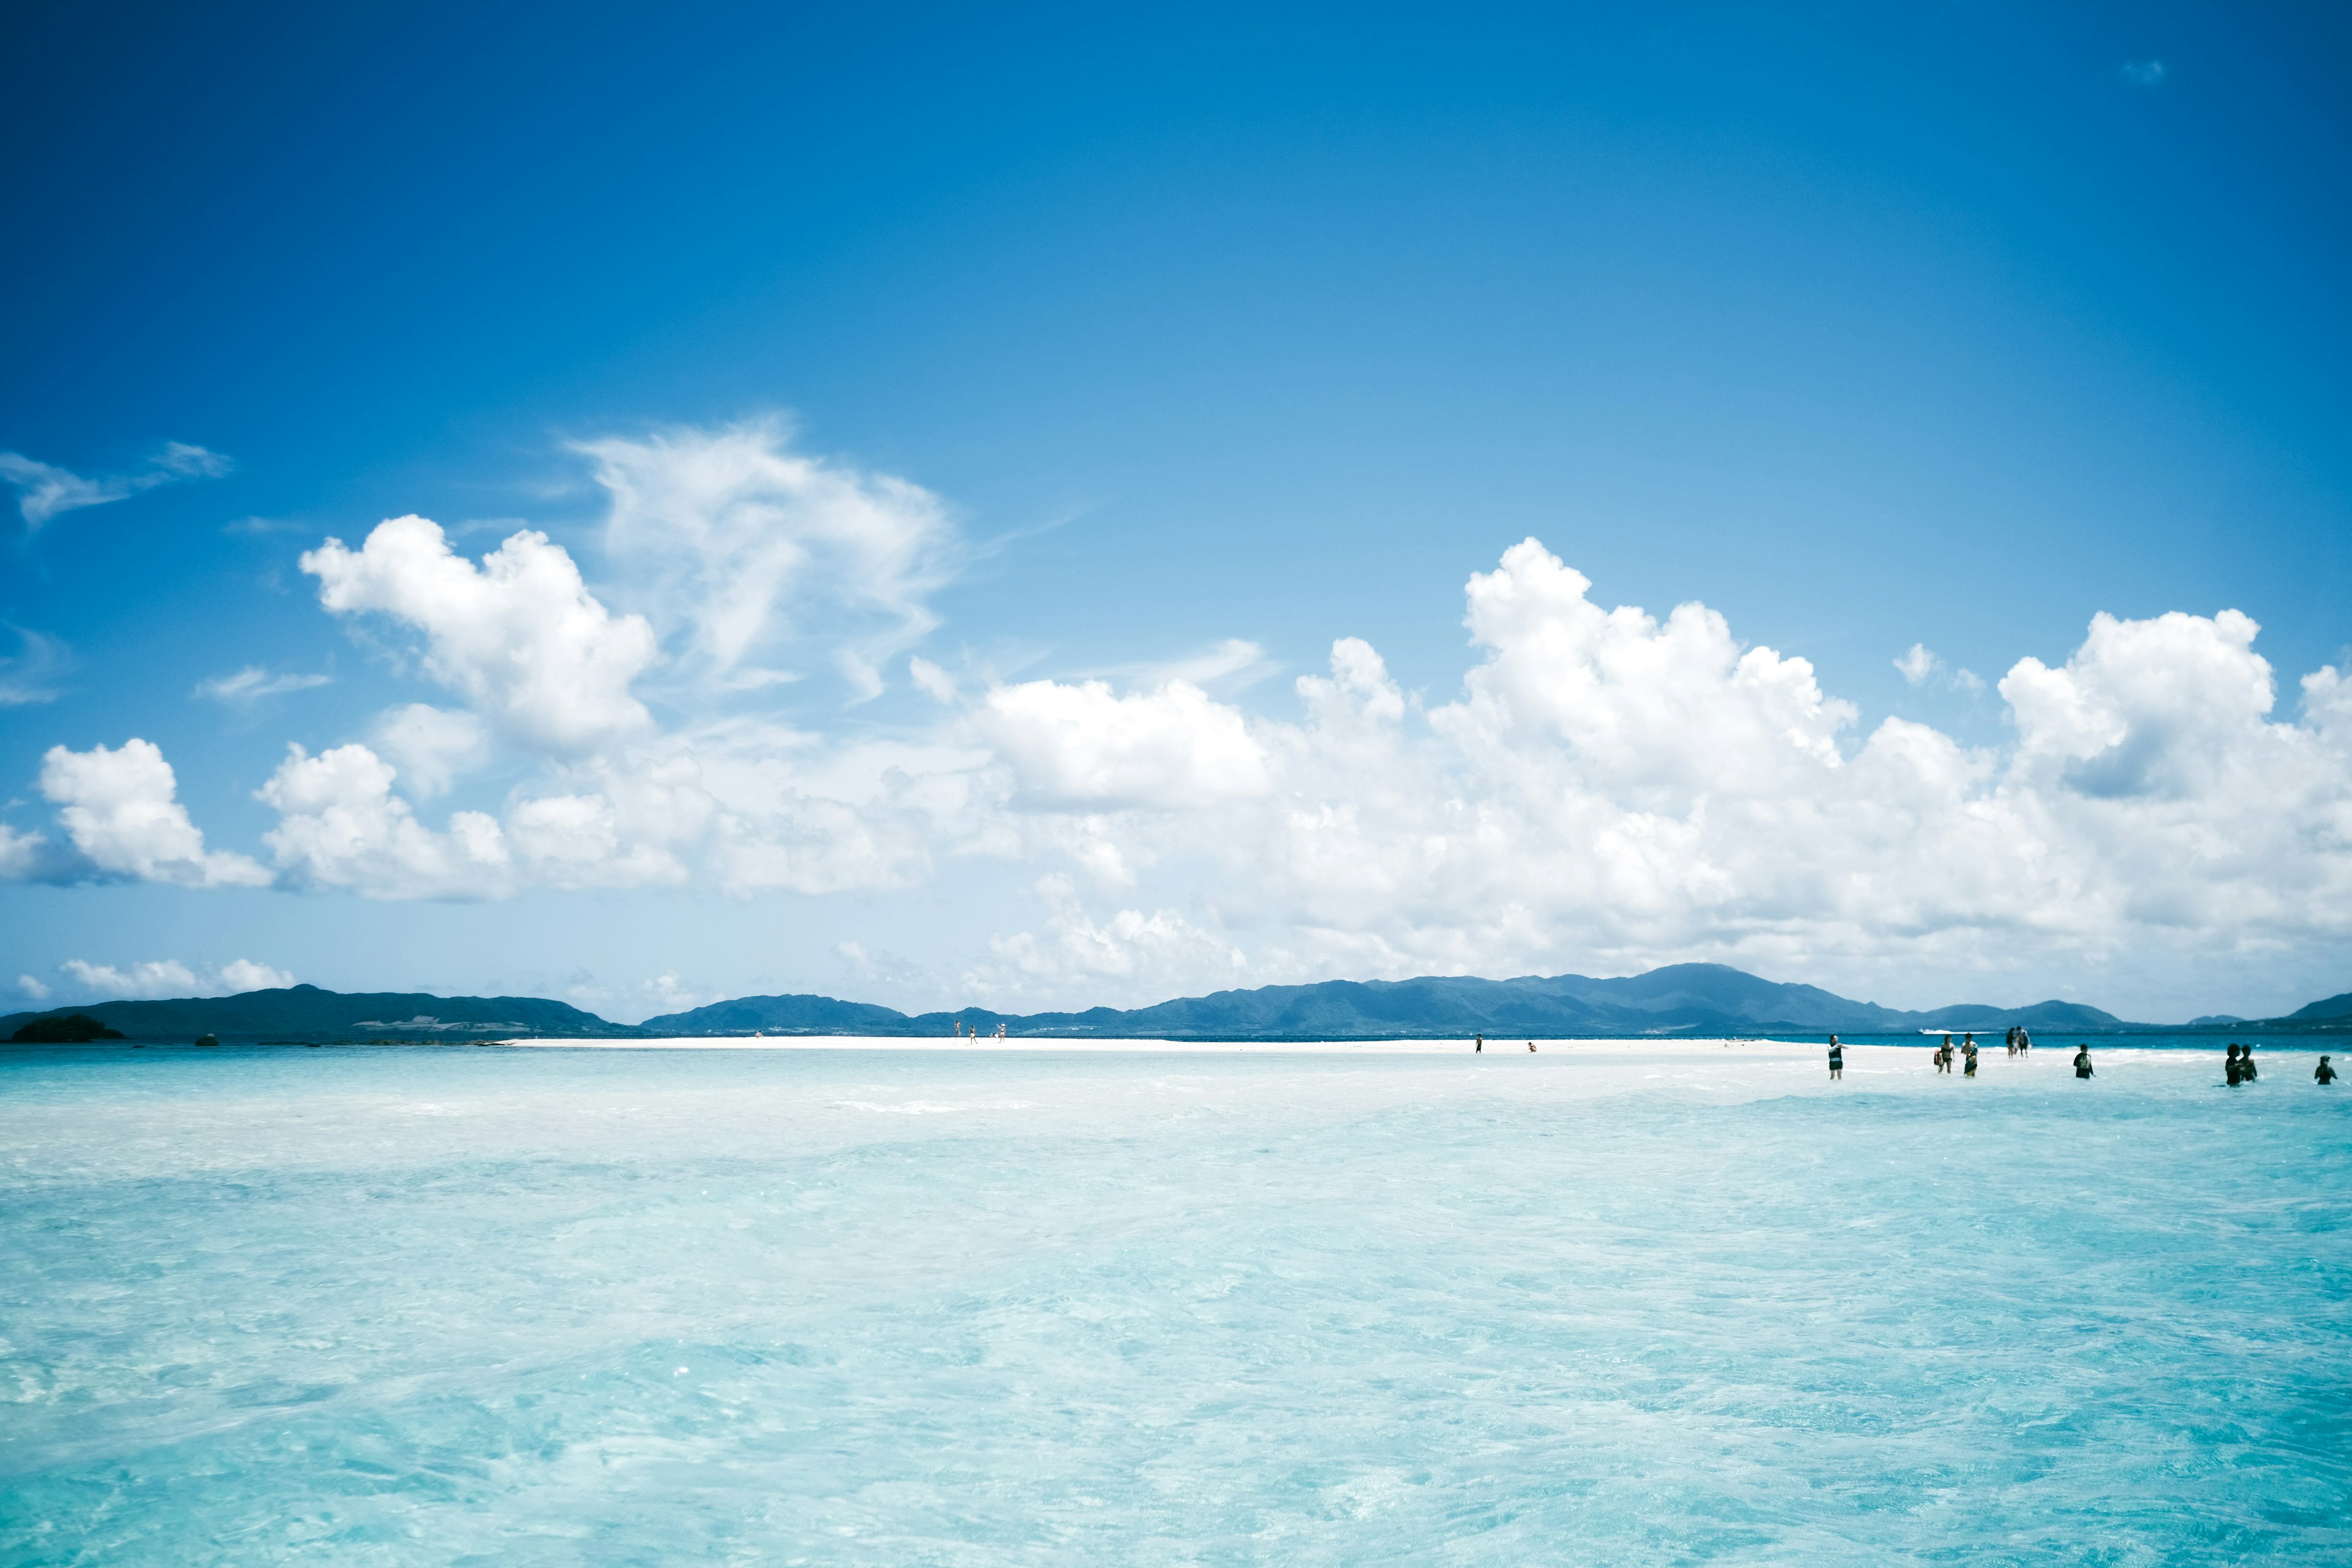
2323	1074
2082	1062
2246	1063
1969	1068
1837	1059
2229	1067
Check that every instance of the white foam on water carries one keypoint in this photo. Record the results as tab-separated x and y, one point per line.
1052	1302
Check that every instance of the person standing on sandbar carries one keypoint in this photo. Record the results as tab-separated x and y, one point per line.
1837	1059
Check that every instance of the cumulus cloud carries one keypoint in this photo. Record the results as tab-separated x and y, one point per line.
432	747
250	685
1605	789
122	811
45	490
520	637
33	987
340	825
1614	789
1086	745
166	977
1126	945
754	552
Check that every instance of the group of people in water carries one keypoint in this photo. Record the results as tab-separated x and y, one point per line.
2238	1066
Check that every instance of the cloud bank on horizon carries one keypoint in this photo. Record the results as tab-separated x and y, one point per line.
1604	782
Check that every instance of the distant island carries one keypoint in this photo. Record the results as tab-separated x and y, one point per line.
1688	1000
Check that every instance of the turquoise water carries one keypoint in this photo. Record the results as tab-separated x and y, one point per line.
452	1306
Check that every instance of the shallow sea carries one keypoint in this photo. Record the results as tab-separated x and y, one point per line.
1593	1305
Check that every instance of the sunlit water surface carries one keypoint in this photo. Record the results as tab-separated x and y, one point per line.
1595	1304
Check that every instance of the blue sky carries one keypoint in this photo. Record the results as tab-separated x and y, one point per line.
1205	343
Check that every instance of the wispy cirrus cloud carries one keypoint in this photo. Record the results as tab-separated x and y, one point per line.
30	674
43	489
2142	73
748	550
253	683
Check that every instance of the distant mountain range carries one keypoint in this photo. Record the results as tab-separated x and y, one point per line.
307	1013
1700	999
1688	999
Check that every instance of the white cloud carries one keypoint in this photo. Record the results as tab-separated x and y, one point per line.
753	550
31	675
45	490
251	684
1128	945
933	681
1086	745
667	995
165	977
32	857
1612	791
2144	73
240	975
520	636
1231	665
340	825
1607	789
1920	664
32	987
122	811
597	839
432	747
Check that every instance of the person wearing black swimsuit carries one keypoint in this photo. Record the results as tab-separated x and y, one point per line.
2082	1062
1837	1059
2229	1067
2323	1074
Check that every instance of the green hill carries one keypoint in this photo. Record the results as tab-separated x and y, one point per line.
307	1013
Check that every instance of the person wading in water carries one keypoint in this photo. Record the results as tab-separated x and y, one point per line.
2229	1067
2323	1074
2082	1062
1837	1059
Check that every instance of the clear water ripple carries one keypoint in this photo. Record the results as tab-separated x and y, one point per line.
454	1306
